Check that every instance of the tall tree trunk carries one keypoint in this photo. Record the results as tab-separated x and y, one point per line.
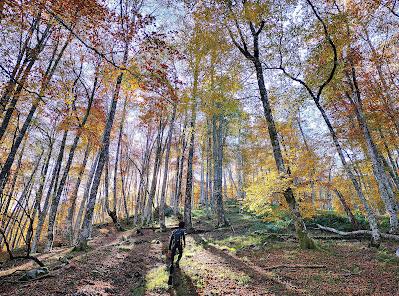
180	167
225	187
113	214
104	150
189	183
126	186
217	124
88	219
42	180
5	170
347	210
376	236
158	156
52	187
86	193
166	168
232	182
240	171
383	182
74	196
304	240
202	201
142	180
58	192
209	167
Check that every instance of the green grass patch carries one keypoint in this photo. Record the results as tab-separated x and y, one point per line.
192	249
334	220
238	277
157	279
317	278
196	277
171	221
244	280
243	242
125	248
138	291
328	247
387	256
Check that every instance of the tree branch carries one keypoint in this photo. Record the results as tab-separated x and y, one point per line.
333	47
245	52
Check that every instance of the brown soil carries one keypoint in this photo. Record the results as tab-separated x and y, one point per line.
118	264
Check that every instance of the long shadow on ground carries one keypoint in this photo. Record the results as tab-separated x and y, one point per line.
182	284
274	285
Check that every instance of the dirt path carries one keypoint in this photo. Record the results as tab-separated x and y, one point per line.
230	261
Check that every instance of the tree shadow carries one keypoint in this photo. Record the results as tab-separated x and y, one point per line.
257	274
182	284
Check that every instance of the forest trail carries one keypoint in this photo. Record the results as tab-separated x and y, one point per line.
246	259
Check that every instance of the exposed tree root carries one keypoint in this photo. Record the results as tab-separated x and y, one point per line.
28	281
38	278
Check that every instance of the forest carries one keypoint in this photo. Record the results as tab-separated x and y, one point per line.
269	127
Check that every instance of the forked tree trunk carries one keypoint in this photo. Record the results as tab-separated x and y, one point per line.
142	182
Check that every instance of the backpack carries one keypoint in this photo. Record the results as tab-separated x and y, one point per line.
177	237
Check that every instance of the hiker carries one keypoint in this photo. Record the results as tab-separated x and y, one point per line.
177	242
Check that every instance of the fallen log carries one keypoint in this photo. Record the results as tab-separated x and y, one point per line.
333	237
358	233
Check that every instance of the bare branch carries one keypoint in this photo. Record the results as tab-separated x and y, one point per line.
242	50
315	96
262	25
241	36
333	47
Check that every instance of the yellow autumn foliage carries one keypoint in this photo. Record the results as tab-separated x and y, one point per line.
266	191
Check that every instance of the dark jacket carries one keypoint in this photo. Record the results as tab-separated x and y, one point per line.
177	238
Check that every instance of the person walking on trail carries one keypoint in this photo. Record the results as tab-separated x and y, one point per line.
177	243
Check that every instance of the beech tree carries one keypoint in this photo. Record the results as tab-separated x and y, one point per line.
113	112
